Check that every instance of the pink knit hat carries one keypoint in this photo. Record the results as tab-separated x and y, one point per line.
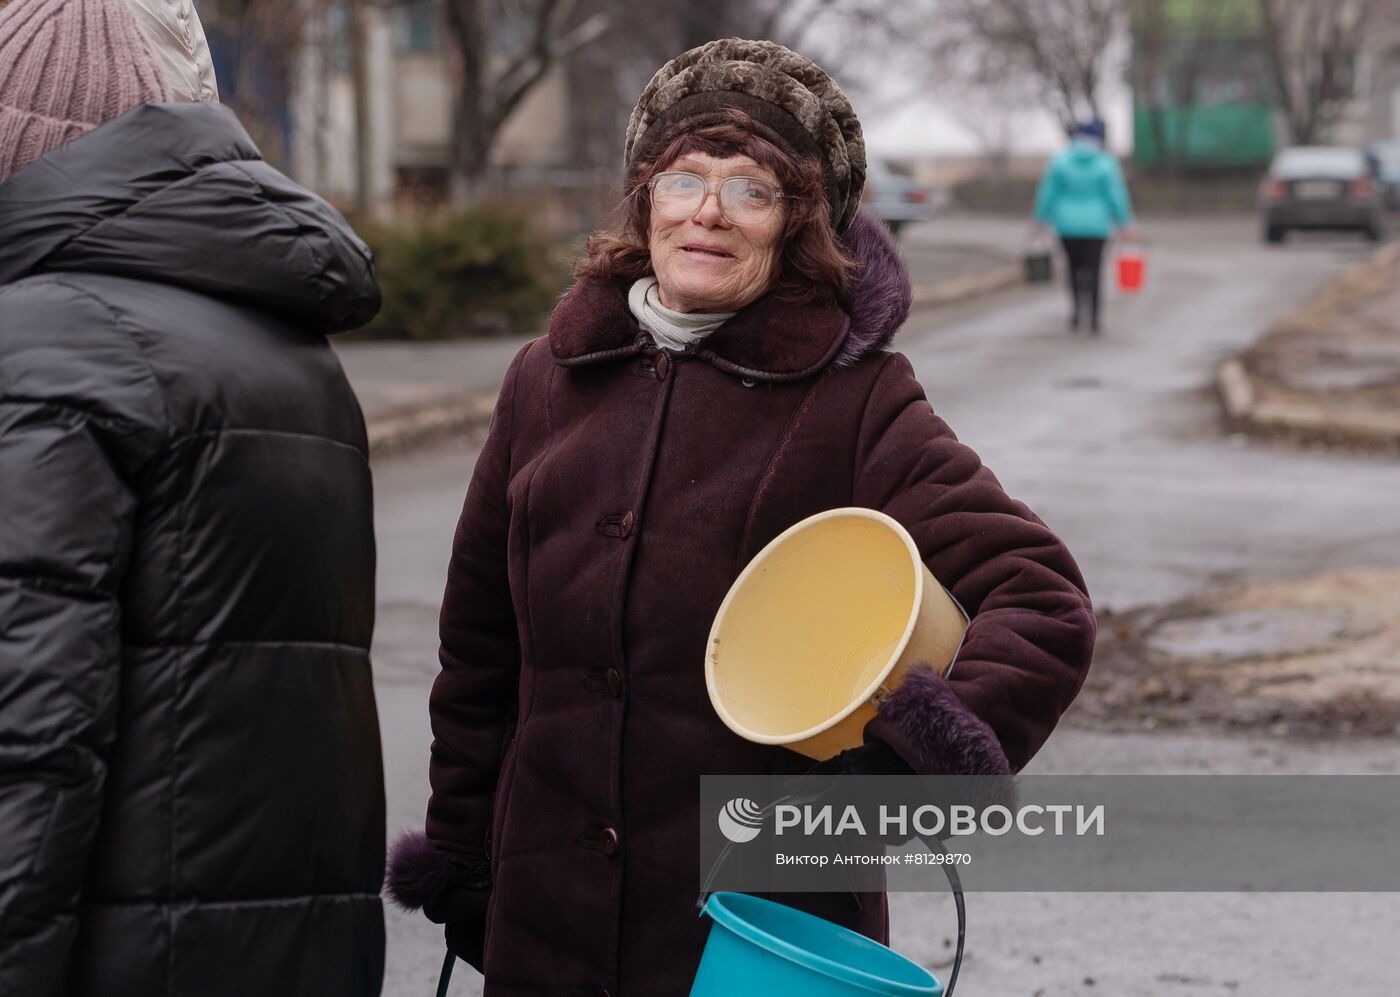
67	66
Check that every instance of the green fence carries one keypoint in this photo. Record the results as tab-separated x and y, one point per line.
1220	136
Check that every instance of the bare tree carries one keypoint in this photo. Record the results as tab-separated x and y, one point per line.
859	42
994	116
506	48
612	71
793	23
260	41
1060	45
1312	48
364	139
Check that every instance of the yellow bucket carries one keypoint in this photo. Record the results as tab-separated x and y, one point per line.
822	626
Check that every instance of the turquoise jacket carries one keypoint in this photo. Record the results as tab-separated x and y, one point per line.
1082	194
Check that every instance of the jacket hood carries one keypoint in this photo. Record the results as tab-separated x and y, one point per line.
1084	154
179	194
177	40
770	340
880	294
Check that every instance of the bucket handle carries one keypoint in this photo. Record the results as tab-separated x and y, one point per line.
445	977
931	842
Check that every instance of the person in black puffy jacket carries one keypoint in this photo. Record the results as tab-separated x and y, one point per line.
191	790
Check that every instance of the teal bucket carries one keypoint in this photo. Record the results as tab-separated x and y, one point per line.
758	948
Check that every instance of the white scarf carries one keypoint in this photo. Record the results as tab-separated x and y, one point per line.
672	330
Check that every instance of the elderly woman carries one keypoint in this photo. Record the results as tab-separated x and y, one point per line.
718	372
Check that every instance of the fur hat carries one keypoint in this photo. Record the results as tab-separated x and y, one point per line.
793	102
67	66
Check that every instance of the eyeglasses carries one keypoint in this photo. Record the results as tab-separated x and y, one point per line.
742	200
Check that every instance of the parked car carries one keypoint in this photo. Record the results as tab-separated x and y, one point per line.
896	199
1320	187
1385	161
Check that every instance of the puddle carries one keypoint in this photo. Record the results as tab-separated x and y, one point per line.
1252	633
1078	383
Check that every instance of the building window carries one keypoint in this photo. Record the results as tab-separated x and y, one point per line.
418	27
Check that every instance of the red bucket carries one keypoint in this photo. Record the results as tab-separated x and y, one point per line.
1132	269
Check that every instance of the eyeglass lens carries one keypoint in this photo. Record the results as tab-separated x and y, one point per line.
742	200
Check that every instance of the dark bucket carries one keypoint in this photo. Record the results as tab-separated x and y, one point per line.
1039	266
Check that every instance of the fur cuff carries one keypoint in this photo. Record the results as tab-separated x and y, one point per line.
934	732
420	872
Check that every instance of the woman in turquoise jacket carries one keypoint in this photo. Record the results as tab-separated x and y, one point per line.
1083	198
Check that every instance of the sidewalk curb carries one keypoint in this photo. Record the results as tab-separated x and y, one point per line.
1236	390
1243	405
1251	405
404	429
947	292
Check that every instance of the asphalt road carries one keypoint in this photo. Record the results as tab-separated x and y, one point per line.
1115	442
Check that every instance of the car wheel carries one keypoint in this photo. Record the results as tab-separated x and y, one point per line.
895	226
1373	232
1273	234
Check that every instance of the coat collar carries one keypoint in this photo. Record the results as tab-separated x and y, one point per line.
770	340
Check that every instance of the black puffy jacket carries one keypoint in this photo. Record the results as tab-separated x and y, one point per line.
191	791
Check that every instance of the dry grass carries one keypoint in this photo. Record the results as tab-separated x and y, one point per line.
1342	347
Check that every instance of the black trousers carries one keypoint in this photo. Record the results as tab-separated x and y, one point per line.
1085	257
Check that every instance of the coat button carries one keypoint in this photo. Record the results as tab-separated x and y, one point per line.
663	364
610	842
617	524
615	683
748	382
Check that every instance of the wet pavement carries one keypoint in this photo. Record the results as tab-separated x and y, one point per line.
1250	633
1117	443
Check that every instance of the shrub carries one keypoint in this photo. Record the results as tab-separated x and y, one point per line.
478	273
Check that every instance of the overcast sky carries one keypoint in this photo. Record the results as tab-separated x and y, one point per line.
899	122
919	127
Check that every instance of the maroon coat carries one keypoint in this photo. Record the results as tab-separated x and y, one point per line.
621	491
